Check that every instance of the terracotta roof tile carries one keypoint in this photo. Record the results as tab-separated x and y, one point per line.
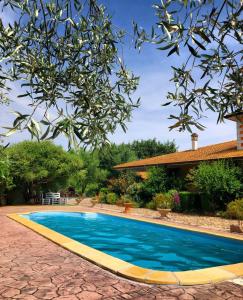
216	151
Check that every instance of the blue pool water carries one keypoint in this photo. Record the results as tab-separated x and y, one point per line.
143	244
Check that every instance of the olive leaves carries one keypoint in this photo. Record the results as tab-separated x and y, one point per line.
210	78
65	55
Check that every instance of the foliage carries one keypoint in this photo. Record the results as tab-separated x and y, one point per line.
76	180
5	177
111	198
126	199
163	200
113	154
219	180
235	209
156	181
136	192
64	56
91	189
168	200
93	173
189	202
210	75
175	181
103	195
41	166
152	147
121	184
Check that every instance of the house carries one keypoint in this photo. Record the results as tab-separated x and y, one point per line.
180	162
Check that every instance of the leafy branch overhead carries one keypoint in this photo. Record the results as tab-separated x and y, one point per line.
64	54
211	75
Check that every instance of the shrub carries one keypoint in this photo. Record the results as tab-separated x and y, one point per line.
135	191
150	205
175	199
6	181
121	184
41	166
235	209
91	189
126	198
103	195
175	181
163	200
219	181
156	182
111	198
206	203
189	201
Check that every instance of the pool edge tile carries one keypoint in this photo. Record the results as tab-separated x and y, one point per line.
203	276
161	277
135	273
99	258
236	269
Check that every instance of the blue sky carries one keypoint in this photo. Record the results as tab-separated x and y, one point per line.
153	67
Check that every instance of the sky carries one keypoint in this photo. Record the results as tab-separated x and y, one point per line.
150	120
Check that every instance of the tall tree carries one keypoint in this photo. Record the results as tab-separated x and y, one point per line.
116	154
6	180
41	166
210	76
64	55
152	147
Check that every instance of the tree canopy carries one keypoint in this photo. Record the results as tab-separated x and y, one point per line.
138	149
64	56
219	180
5	177
210	75
152	147
41	166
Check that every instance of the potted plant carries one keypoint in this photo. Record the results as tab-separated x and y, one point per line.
128	206
126	203
163	203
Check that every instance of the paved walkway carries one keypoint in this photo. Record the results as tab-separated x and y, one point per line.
31	267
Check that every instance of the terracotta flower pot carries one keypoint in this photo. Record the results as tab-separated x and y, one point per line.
128	206
163	212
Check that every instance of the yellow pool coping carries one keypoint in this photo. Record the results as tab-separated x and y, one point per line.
128	270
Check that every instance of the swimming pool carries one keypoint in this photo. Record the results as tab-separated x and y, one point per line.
143	244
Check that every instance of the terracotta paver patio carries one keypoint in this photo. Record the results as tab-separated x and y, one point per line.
32	267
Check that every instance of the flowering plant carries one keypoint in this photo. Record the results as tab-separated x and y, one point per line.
176	199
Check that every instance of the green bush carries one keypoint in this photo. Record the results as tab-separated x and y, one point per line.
91	189
111	198
38	167
161	200
6	180
206	203
103	195
126	198
189	202
175	182
235	209
156	182
219	181
135	192
121	184
150	205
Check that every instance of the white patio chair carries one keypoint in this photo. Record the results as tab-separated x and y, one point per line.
53	198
